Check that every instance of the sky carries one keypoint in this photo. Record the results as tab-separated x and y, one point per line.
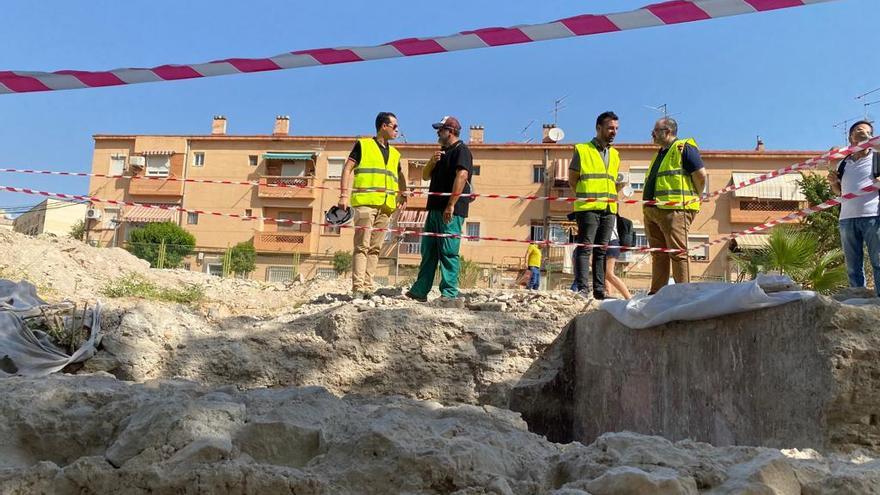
787	75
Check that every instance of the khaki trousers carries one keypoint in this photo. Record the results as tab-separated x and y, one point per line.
668	229
367	244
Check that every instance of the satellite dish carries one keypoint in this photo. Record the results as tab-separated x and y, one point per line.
556	134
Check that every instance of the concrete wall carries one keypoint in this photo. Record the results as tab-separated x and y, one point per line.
801	375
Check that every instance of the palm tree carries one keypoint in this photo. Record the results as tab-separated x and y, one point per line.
792	251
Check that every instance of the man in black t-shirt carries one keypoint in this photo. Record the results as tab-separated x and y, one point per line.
450	171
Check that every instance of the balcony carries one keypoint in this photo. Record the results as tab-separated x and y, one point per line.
155	186
286	187
756	211
281	242
410	249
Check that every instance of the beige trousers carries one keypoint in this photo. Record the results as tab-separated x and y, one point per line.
367	244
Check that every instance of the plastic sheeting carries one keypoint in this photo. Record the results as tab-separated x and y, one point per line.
27	352
698	301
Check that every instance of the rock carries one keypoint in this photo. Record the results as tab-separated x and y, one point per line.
489	306
634	481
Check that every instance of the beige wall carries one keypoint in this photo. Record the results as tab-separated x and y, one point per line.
504	169
50	217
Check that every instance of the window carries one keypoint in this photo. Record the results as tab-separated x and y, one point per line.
334	168
331	230
701	254
187	266
637	178
538	174
327	273
199	160
117	165
279	273
641	237
253	160
192	218
109	217
215	269
536	232
473	229
476	170
248	212
296	216
158	166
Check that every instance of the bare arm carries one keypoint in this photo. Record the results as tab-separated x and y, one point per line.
699	178
573	178
345	183
834	182
457	187
401	186
429	167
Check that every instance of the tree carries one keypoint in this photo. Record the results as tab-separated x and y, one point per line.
78	230
341	262
823	225
146	241
243	258
792	251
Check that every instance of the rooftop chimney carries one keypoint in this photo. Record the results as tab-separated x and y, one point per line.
218	127
545	136
282	125
477	134
760	145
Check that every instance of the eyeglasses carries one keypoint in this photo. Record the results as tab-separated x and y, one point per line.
393	126
655	131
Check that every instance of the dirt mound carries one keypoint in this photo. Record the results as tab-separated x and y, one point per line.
385	345
95	434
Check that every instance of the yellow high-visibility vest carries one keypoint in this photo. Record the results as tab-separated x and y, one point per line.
673	183
373	173
596	181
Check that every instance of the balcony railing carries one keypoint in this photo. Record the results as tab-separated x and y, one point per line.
286	187
420	201
282	242
410	248
155	186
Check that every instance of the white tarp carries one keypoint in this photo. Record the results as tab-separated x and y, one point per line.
698	301
27	352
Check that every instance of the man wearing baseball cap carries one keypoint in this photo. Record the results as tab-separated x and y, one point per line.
449	171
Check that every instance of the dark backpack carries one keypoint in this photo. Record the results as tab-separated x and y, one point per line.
625	232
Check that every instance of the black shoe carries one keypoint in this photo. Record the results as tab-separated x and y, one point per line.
410	295
598	296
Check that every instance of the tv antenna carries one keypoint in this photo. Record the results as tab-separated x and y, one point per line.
868	105
843	125
523	131
868	93
557	106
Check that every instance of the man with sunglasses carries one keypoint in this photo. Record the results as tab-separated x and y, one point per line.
379	188
449	171
678	176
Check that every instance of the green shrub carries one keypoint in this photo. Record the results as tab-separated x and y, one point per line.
146	241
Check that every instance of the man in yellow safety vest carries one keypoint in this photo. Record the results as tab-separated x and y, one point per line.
677	176
592	176
379	188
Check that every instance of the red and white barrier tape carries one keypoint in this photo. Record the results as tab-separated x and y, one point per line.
666	13
812	162
295	222
872	189
788	218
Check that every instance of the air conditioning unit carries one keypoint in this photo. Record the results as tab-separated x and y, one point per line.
93	214
137	161
200	256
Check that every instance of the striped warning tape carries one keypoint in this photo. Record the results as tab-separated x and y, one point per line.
805	165
788	218
665	13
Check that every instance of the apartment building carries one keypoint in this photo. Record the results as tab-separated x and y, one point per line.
314	163
50	216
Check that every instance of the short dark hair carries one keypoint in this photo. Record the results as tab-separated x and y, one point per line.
670	124
862	122
605	116
383	118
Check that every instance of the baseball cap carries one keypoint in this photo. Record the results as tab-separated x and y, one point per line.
448	122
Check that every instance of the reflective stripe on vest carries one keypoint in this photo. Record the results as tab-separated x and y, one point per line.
595	180
373	173
673	183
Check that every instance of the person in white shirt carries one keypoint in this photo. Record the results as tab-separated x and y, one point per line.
859	217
